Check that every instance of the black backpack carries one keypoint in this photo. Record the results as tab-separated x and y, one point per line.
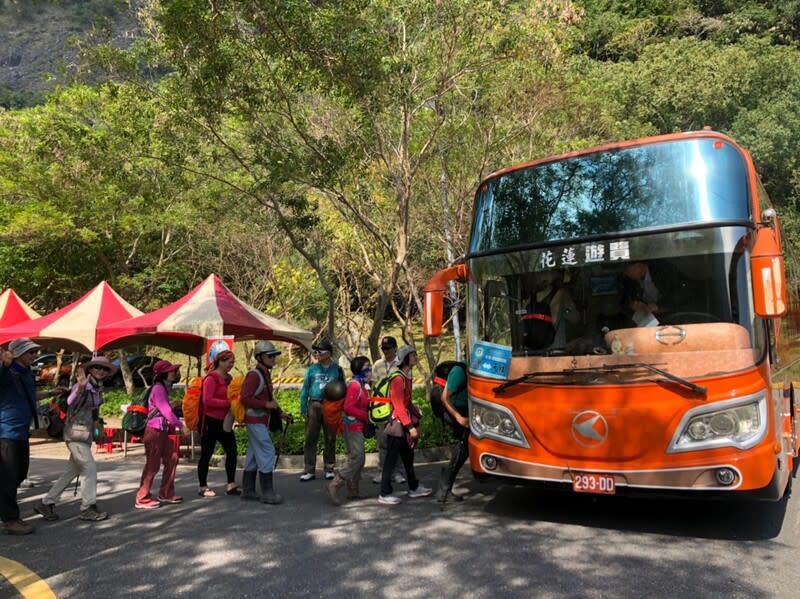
138	413
537	325
440	374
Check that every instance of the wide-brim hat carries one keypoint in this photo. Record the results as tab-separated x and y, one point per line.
403	352
102	362
164	366
22	345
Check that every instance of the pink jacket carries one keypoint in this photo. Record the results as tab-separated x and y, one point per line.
215	396
159	400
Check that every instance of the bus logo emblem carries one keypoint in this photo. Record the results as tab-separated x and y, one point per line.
670	335
589	428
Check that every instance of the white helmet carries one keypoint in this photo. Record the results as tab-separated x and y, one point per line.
266	347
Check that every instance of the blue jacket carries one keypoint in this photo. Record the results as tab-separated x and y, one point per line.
17	402
314	382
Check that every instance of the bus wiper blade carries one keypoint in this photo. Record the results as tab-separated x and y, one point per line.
639	365
529	377
604	368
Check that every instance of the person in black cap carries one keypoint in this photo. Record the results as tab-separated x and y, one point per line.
380	370
311	395
18	399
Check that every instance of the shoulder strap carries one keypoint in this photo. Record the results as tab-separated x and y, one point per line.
24	391
262	382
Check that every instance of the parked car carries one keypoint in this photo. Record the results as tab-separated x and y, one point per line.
141	370
44	369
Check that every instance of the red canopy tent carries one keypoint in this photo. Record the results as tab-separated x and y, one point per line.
208	310
13	310
74	327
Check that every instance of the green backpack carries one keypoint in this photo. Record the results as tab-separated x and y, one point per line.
380	406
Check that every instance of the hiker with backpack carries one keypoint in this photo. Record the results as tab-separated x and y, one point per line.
18	403
215	406
158	448
259	401
312	394
380	371
456	408
402	432
82	405
355	418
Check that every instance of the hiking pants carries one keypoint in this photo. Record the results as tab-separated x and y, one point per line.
14	463
457	457
355	456
213	432
260	450
81	463
380	437
158	450
398	448
315	422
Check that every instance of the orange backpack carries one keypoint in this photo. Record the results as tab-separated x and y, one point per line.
234	391
191	403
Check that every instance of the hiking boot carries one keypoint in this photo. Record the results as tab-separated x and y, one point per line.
333	489
17	527
389	499
144	504
420	491
267	494
353	493
249	486
46	511
91	514
307	476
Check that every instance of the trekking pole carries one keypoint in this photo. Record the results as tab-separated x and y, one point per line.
281	441
77	480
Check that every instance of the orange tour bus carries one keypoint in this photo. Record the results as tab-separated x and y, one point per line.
629	319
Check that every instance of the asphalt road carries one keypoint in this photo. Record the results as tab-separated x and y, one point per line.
502	541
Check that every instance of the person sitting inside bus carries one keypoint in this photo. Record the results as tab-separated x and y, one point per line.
640	295
550	310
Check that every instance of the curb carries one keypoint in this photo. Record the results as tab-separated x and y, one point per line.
296	462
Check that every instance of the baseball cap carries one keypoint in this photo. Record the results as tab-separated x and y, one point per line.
323	346
388	342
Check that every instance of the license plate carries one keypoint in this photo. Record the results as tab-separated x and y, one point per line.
592	482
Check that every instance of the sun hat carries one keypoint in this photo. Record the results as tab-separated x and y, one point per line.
164	366
266	347
22	345
101	362
403	352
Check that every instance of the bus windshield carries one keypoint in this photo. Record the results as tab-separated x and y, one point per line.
696	180
604	297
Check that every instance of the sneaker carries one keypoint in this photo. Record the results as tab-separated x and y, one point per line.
307	476
17	527
329	475
47	511
145	504
91	514
376	480
173	499
389	499
420	491
398	479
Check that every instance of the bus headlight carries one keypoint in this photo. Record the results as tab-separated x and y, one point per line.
495	422
738	423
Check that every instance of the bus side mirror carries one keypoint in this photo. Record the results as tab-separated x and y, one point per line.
434	297
769	276
434	313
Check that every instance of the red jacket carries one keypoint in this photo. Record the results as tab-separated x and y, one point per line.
215	396
355	406
402	408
